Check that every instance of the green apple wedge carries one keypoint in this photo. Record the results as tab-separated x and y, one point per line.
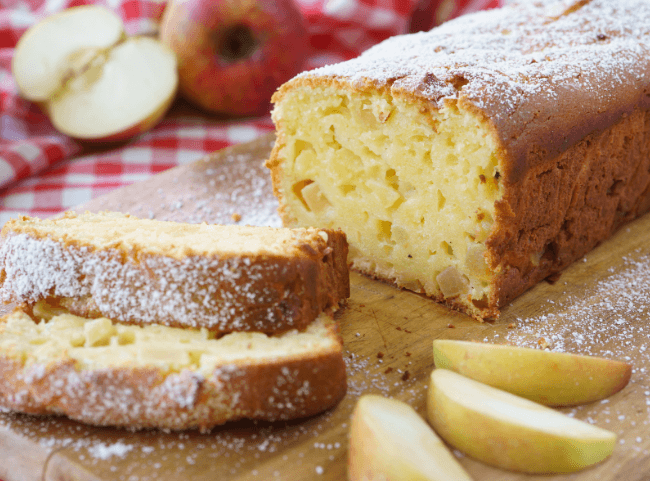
510	432
389	441
546	377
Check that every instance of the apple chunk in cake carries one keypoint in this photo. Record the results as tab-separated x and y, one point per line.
413	189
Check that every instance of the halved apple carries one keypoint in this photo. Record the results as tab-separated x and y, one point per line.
390	441
94	82
546	377
511	432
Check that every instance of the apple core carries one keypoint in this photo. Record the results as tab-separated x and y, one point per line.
236	43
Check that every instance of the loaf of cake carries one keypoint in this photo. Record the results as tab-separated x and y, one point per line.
137	271
472	161
105	373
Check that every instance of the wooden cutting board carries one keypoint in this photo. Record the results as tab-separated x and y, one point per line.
600	306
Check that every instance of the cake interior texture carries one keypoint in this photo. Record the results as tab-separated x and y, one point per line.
472	161
50	335
414	191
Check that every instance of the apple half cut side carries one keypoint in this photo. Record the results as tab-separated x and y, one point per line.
124	94
390	441
93	81
546	377
54	49
510	432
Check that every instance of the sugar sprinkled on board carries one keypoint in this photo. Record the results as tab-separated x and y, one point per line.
106	451
210	191
609	313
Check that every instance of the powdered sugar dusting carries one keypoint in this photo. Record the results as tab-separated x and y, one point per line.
518	57
106	451
229	187
153	455
608	318
239	185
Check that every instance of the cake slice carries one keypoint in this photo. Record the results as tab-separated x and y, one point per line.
130	270
111	374
472	161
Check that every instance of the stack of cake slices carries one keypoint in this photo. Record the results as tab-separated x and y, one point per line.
148	324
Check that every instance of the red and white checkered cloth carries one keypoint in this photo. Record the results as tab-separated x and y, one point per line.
43	172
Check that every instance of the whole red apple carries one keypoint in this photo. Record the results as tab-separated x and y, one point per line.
233	54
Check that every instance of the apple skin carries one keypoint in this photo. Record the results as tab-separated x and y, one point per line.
389	441
233	54
510	432
546	377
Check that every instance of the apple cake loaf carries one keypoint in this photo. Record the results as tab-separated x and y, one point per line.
139	271
101	372
472	161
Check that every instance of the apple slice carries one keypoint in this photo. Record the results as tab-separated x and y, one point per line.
511	432
546	377
390	441
93	81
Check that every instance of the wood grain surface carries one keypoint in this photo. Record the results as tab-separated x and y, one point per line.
599	306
